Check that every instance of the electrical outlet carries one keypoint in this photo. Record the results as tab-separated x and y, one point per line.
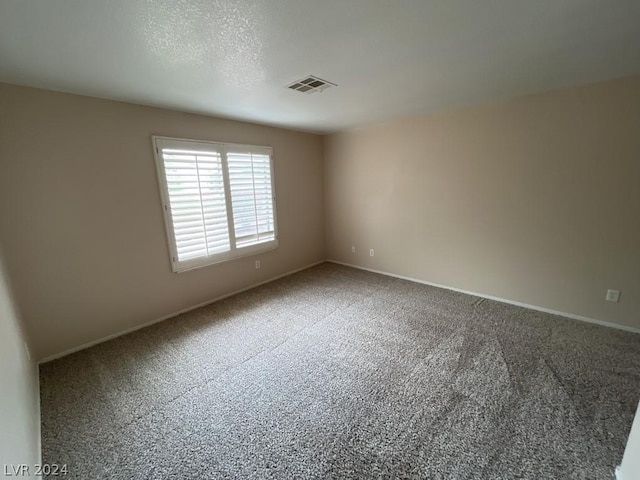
353	249
257	264
612	296
371	252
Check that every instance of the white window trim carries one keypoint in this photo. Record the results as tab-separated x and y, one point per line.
233	253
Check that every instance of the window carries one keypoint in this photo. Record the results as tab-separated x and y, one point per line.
217	198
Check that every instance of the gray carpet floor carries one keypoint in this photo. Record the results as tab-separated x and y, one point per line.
338	373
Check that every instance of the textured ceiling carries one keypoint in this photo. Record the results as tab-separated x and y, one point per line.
390	58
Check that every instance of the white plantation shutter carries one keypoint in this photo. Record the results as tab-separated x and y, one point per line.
197	201
251	197
218	200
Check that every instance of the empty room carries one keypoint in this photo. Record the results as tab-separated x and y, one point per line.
284	239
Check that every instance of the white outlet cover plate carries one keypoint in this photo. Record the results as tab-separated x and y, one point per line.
613	295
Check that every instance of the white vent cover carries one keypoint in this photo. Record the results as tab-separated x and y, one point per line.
310	84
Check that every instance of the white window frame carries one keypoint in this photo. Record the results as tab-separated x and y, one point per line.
222	148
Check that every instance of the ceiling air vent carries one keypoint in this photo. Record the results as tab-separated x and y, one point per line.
310	84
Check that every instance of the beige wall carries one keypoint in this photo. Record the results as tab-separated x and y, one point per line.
81	223
19	405
536	200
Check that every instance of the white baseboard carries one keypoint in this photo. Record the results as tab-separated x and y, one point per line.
618	473
497	299
417	280
171	315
